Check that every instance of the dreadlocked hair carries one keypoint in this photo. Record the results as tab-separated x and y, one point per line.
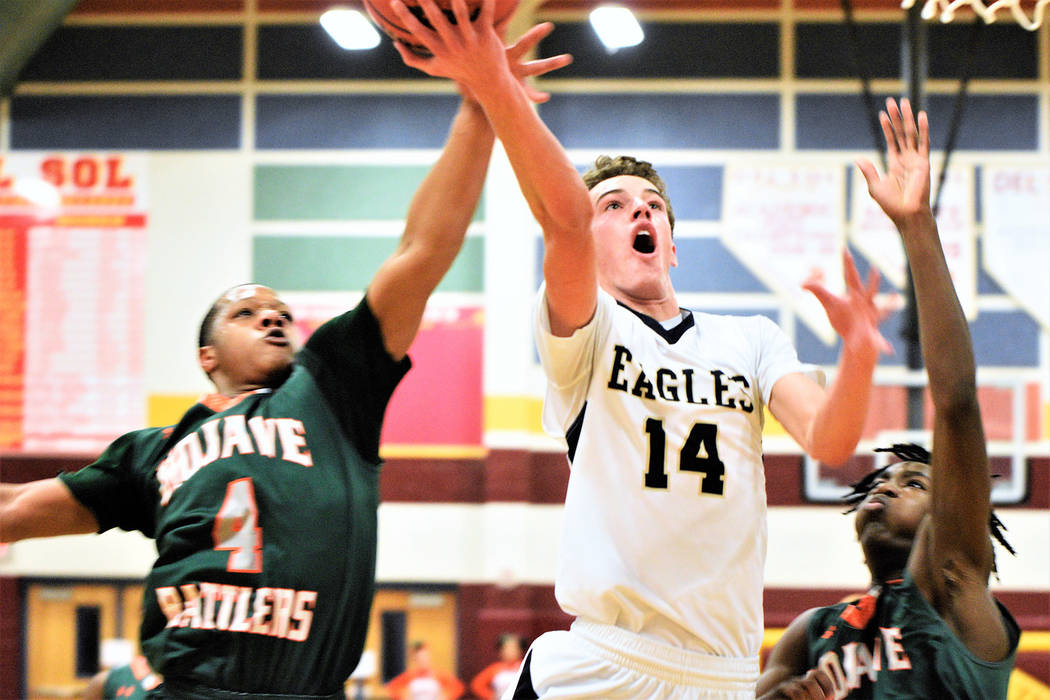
911	452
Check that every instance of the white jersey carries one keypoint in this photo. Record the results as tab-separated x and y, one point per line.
664	528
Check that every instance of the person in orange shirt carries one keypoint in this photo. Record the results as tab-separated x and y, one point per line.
421	681
491	683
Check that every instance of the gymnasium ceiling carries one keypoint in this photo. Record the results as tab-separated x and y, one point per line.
26	24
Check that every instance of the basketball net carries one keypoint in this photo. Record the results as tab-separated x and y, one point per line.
946	9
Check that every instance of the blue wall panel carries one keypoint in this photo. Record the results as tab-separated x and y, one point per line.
991	122
695	191
705	265
664	120
158	122
1000	339
353	121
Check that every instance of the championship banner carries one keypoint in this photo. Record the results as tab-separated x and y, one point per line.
785	223
72	259
1016	247
877	238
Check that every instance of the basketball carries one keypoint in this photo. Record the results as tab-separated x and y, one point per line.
385	18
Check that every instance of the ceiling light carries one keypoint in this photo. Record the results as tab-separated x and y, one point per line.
616	27
350	29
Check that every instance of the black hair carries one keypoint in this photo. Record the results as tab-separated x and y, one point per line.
912	452
204	338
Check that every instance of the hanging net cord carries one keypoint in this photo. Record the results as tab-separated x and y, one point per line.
946	10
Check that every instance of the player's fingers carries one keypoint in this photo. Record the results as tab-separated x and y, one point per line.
892	148
546	65
823	295
528	41
823	683
873	282
924	134
488	13
410	57
441	26
911	134
462	14
535	95
869	171
894	112
412	24
849	271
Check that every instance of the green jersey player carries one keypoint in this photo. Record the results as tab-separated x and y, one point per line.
132	681
262	499
928	627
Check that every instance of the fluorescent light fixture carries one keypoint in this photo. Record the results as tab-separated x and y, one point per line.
350	29
616	27
37	192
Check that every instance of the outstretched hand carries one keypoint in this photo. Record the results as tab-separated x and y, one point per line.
854	316
905	189
472	53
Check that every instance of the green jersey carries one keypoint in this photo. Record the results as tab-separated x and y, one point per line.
130	682
892	645
263	509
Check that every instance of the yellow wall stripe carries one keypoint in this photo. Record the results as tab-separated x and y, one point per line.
167	409
513	413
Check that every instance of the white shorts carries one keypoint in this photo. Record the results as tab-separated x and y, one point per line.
600	661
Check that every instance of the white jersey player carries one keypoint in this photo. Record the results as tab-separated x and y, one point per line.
666	497
649	535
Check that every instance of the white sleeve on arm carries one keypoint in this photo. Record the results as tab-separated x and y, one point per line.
777	357
567	362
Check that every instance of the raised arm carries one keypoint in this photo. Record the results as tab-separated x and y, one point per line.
435	226
952	556
827	424
472	55
44	508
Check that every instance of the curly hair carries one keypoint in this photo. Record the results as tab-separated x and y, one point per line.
911	452
606	167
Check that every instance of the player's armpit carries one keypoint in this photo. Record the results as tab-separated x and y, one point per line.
45	508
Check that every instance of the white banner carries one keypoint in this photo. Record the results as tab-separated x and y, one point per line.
80	223
1017	234
785	222
875	236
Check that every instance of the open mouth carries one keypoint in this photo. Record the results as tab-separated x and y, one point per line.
277	337
644	242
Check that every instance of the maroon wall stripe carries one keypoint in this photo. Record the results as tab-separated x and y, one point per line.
10	638
520	476
1031	609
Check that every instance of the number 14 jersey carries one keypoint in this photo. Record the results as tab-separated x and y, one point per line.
664	528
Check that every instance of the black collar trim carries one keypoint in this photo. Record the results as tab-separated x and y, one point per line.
673	335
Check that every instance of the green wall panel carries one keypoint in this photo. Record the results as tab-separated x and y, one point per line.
335	192
336	263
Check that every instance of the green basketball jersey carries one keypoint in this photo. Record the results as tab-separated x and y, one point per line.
264	516
130	682
895	646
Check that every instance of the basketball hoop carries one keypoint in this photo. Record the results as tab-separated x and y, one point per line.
946	9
